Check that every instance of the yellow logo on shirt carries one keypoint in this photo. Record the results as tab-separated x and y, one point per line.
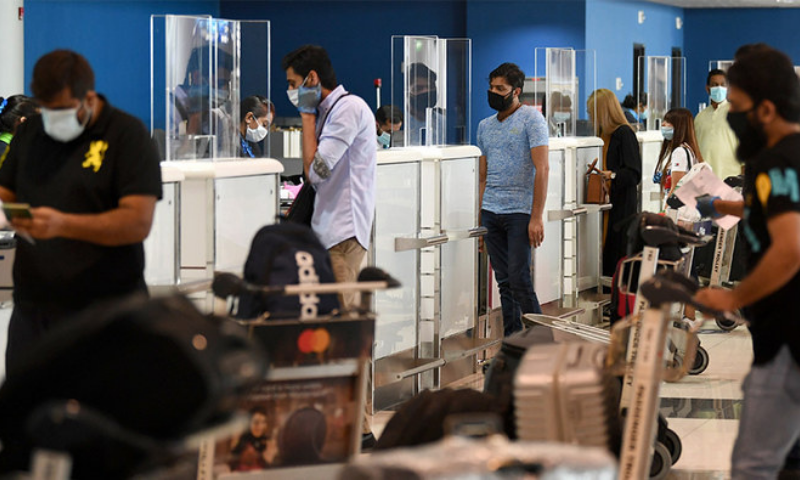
95	155
763	187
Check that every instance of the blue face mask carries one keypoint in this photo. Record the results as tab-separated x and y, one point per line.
643	115
384	139
719	94
667	132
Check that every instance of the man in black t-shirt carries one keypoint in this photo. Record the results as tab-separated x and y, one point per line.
764	98
92	178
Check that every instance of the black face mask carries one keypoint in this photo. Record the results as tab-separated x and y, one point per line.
499	102
751	137
420	101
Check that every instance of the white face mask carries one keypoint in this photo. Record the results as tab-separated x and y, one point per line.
255	135
62	124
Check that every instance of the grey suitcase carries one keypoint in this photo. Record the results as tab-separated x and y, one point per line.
562	394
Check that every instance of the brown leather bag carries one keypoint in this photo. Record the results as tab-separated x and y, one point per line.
597	187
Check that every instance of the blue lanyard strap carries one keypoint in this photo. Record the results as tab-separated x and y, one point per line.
246	148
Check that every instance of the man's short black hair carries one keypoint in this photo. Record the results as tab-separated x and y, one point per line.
389	113
714	73
764	73
511	72
311	57
62	69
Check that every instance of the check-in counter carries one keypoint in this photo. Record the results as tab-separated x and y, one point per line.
650	147
161	248
223	204
426	236
587	246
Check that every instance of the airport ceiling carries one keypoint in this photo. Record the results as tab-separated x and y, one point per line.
731	3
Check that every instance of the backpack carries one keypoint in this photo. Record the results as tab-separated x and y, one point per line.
141	380
421	419
287	254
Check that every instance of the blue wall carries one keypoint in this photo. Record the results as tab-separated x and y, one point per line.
612	27
510	31
356	34
113	35
715	34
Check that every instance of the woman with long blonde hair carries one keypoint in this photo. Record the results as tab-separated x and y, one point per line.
622	164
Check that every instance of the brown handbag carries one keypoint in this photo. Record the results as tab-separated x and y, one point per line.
597	187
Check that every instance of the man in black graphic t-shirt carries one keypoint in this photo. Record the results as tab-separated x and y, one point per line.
92	178
764	98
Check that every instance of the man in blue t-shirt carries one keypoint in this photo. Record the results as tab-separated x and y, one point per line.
513	186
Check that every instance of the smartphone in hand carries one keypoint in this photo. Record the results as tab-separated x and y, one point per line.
17	210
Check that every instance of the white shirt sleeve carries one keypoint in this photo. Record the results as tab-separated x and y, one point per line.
679	160
337	136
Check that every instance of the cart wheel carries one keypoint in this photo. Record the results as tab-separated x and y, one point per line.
700	362
662	462
673	443
726	325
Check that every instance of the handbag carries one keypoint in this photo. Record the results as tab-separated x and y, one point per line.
302	208
597	187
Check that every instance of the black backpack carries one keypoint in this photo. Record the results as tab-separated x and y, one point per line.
286	254
146	373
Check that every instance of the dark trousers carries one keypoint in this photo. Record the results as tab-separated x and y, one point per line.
29	323
509	250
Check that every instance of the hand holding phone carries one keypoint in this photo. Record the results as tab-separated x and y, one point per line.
17	210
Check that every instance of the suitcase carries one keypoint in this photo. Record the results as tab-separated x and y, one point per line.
562	394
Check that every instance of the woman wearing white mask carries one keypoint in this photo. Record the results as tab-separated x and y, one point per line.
257	114
679	151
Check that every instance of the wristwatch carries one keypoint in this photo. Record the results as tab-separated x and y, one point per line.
613	175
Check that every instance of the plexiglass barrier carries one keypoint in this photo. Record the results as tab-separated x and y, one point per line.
719	65
458	90
665	86
559	96
181	91
198	64
432	83
564	79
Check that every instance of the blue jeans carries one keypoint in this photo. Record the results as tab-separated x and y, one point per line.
510	254
770	421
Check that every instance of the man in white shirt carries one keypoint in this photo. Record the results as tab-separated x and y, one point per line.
340	160
715	137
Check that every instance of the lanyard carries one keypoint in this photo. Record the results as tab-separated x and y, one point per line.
246	148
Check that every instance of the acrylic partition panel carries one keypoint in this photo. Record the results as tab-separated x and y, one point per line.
719	65
181	87
589	226
225	70
665	83
456	91
559	89
161	247
548	258
585	84
416	72
650	149
242	206
252	62
397	216
459	267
